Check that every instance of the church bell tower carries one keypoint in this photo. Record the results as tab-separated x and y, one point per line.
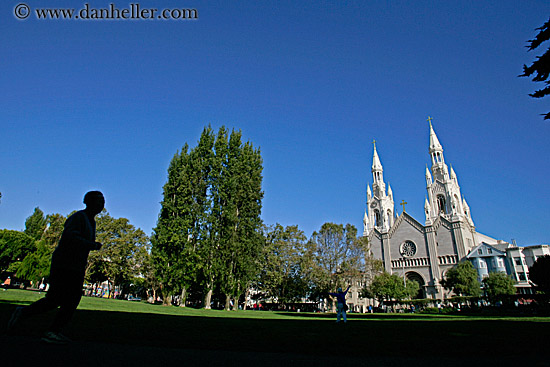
444	197
380	210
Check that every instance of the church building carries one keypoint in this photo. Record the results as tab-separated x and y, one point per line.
422	251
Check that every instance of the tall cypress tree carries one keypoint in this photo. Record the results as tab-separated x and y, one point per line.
208	233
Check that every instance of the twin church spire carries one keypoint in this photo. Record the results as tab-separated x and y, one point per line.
443	199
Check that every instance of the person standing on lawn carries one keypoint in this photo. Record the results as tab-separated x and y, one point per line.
67	270
341	306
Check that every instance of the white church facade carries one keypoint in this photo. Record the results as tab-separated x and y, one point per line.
422	251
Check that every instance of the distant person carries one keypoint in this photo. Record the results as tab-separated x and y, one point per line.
341	306
67	270
6	283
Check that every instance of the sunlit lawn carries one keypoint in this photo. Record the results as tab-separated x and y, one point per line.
139	323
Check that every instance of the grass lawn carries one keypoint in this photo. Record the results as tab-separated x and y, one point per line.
381	335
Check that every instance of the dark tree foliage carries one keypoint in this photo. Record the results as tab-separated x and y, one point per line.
282	276
386	287
462	279
540	68
35	225
498	284
208	232
539	274
14	247
36	265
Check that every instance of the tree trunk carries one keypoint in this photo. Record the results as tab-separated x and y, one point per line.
227	302
246	295
166	298
236	304
207	300
183	297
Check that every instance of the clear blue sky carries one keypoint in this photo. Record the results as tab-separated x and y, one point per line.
106	104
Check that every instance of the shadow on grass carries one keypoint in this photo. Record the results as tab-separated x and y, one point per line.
306	336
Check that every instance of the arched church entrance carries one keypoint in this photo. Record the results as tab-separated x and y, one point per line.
411	275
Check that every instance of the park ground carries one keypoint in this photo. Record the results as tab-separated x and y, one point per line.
116	332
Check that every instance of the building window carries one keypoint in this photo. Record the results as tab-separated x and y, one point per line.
377	218
500	262
490	250
480	252
408	249
522	276
517	260
441	204
482	264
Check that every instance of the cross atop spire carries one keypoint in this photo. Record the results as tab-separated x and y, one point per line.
374	143
403	202
430	120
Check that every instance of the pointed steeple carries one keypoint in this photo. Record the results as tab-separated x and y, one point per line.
467	212
439	168
365	224
453	174
434	141
376	165
380	206
428	177
378	185
369	193
427	210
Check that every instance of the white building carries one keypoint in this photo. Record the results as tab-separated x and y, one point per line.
422	251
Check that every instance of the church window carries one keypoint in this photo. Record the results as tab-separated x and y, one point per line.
441	203
389	218
377	218
408	249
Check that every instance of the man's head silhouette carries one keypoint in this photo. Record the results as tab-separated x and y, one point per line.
95	202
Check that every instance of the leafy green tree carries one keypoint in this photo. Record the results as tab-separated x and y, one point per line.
54	230
336	257
175	233
540	67
498	284
462	280
539	273
282	276
387	287
237	197
208	232
36	266
14	247
35	225
118	261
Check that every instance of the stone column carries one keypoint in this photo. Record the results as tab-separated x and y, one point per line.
459	240
386	253
434	260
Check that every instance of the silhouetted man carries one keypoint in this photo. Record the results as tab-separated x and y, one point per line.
67	269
